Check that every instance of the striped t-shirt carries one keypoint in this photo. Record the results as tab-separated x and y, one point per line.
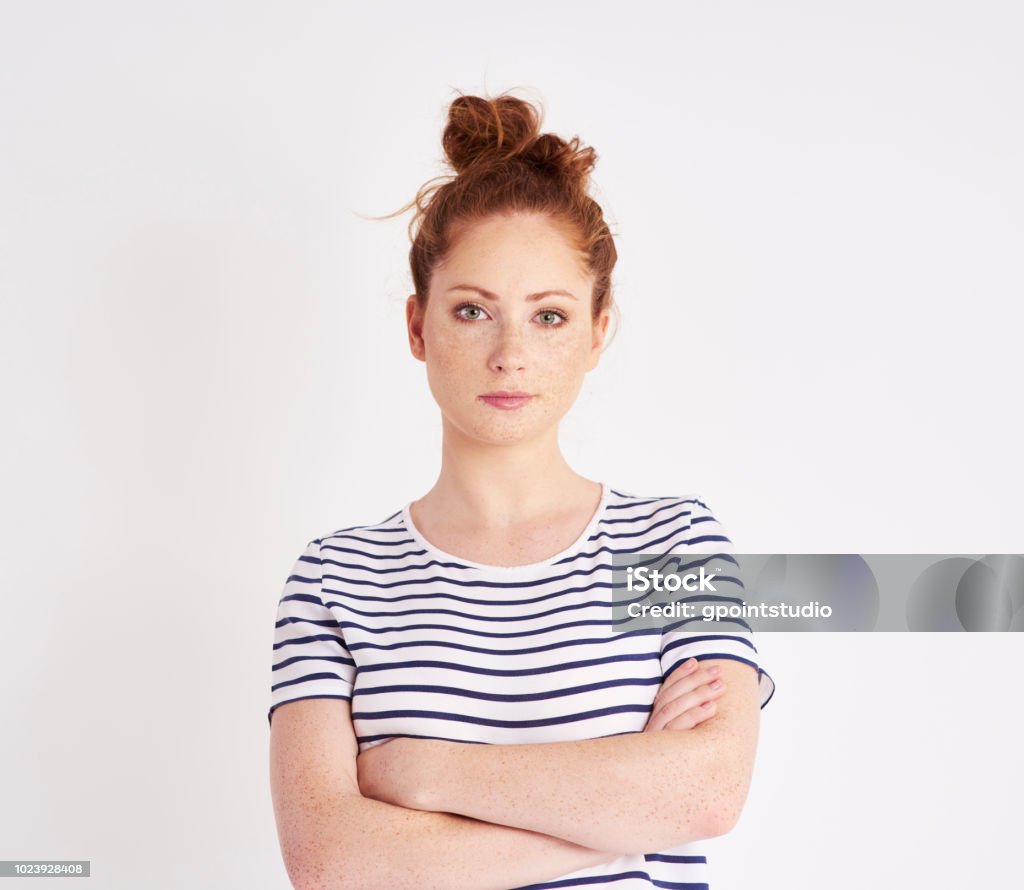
425	644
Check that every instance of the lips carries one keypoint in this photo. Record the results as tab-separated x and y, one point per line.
506	399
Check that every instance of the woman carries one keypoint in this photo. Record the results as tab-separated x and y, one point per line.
528	743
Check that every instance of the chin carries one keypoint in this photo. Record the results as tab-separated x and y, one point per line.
492	431
497	436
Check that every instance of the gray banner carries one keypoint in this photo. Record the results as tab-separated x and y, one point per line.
718	593
44	868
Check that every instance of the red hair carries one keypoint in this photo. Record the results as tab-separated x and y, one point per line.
503	164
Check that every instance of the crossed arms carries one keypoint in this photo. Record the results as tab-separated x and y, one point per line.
431	813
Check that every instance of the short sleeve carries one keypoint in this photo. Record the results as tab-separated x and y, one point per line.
684	640
310	658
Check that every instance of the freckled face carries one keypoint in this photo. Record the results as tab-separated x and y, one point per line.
507	339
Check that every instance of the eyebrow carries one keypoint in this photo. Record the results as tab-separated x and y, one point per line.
490	296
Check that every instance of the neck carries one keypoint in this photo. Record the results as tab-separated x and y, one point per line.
492	485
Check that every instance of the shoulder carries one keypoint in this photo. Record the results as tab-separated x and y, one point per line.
356	539
664	514
358	561
625	503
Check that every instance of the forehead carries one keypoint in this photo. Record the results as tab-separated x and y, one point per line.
516	248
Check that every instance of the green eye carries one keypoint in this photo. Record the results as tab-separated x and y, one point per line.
467	307
556	318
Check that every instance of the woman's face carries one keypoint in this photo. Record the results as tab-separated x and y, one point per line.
509	312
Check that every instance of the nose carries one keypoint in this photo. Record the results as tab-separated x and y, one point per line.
508	353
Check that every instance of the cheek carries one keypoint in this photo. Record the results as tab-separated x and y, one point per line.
558	372
563	357
451	360
444	334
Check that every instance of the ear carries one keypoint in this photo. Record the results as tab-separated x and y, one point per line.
600	332
414	323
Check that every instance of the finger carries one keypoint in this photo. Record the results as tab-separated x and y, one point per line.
686	669
693	676
667	711
686	678
694	716
692	679
683	719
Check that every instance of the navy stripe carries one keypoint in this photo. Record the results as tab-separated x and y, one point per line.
714	655
609	622
304	679
334	659
529	616
549	647
296	641
644	531
702	639
613	878
403	555
508	724
511	697
646	516
648	546
510	672
675	625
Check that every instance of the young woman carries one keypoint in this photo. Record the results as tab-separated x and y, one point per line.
452	705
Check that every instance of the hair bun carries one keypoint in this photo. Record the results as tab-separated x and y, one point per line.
506	127
566	158
479	128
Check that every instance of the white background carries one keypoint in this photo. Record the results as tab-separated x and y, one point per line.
818	210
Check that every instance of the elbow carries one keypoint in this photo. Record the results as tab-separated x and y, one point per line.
724	814
335	857
305	879
676	825
301	876
717	816
720	822
690	826
310	881
344	871
727	797
306	872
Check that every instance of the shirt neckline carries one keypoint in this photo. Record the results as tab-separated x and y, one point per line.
596	518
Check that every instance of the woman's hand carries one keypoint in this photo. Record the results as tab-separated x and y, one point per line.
396	772
686	698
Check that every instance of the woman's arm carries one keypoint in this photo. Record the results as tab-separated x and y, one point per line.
332	838
632	793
